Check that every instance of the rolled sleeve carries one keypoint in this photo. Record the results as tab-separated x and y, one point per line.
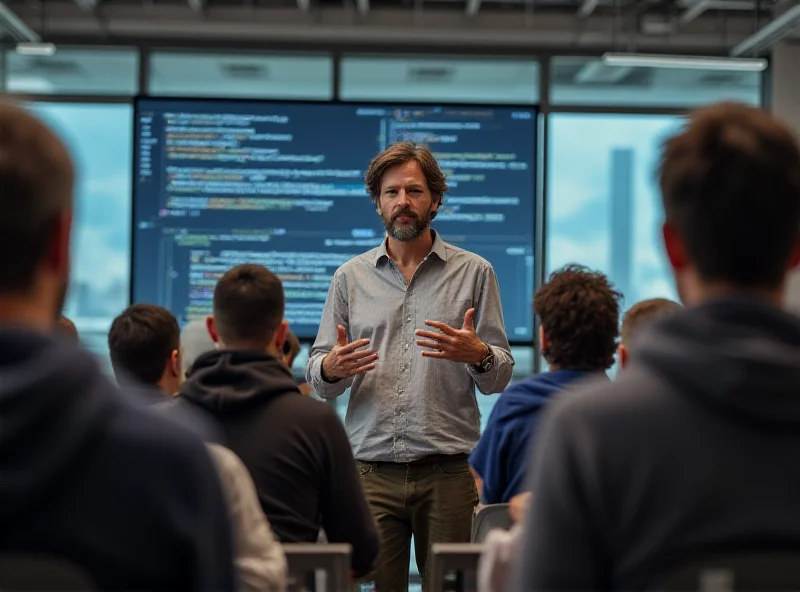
490	328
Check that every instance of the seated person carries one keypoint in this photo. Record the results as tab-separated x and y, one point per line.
579	319
144	346
693	450
130	499
291	347
295	448
641	314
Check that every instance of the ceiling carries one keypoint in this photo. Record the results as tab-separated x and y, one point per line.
503	26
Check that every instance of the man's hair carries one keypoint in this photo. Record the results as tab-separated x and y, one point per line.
399	154
248	305
579	312
645	312
37	178
730	183
66	328
141	341
291	346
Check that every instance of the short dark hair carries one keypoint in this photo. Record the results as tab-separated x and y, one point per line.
730	183
141	341
579	312
37	178
248	305
645	312
291	346
401	153
66	328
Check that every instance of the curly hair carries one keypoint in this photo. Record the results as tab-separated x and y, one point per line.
579	312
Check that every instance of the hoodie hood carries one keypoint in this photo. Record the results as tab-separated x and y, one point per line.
230	381
740	355
523	398
55	404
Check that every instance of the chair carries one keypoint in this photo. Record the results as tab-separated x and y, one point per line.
305	561
752	572
40	573
488	518
454	567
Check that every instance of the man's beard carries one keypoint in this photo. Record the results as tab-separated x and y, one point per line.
407	232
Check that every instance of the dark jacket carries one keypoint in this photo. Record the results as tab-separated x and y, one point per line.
501	454
693	449
129	497
295	448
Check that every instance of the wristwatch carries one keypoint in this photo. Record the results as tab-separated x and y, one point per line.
486	363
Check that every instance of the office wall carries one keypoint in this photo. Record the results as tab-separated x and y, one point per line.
786	104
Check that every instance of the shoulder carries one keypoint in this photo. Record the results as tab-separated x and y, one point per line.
457	256
358	264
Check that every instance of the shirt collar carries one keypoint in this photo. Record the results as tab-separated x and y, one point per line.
438	248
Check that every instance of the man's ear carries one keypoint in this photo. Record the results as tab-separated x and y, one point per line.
794	260
280	336
174	364
211	326
623	357
58	256
676	251
543	341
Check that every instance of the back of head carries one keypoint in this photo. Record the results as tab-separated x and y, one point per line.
579	312
195	341
730	183
248	307
644	312
66	328
37	177
141	342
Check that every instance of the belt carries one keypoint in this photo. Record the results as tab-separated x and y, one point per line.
425	460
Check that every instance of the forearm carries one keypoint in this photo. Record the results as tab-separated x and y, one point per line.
498	377
323	388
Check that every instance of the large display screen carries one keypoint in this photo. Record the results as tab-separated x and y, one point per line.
219	182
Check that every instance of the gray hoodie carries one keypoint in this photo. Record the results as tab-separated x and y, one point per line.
694	448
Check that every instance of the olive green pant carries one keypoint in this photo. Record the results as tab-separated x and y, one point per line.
434	501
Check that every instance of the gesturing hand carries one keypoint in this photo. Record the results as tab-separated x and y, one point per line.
347	359
457	345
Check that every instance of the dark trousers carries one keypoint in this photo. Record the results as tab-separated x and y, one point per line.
433	499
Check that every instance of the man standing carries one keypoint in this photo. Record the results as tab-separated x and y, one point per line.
693	449
431	313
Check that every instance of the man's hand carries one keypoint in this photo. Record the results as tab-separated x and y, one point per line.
457	345
347	359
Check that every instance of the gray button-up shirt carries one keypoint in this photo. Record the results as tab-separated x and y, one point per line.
412	406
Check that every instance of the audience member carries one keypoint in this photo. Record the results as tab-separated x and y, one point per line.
66	328
640	314
144	343
694	447
195	341
295	447
291	347
579	319
133	501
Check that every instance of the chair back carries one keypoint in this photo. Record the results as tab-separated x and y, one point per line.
734	572
454	567
318	568
40	573
488	518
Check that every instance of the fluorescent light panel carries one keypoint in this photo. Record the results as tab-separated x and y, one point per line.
36	49
643	60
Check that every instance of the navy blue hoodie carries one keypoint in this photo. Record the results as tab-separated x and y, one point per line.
130	497
692	450
501	453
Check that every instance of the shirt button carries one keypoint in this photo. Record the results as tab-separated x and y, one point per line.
408	318
405	345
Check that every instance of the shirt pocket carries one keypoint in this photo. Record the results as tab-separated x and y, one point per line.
449	311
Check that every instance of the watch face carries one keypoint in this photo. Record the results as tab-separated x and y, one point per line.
488	365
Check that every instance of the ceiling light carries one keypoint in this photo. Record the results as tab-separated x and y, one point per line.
643	60
36	49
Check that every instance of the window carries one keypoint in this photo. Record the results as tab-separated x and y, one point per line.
588	81
99	138
603	205
487	80
75	71
241	76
